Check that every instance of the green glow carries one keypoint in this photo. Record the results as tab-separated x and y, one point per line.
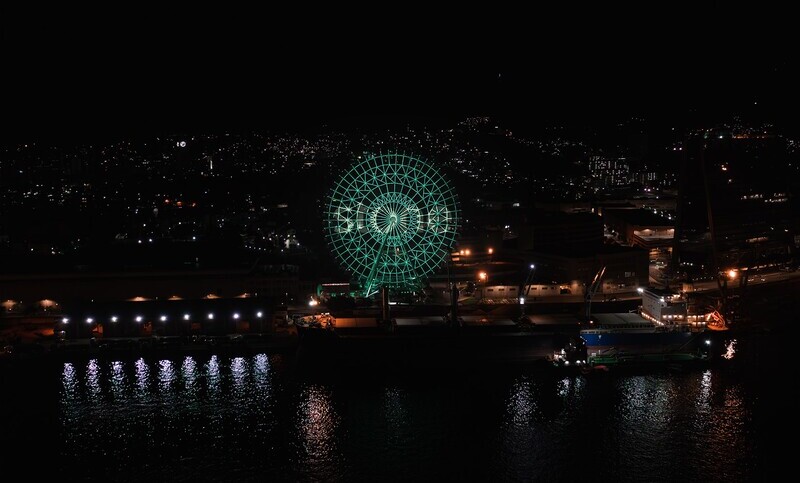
392	221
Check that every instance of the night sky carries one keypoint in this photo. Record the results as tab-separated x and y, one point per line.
89	75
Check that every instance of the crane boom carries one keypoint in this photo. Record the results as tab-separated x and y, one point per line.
592	289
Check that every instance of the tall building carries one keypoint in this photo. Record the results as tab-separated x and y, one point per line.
736	184
610	171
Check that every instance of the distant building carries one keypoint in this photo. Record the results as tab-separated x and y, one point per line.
642	228
626	267
610	171
743	181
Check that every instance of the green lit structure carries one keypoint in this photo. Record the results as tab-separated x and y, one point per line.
391	221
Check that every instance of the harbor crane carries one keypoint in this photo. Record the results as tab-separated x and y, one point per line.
591	290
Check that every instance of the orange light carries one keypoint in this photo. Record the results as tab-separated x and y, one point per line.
466	252
491	250
482	276
731	274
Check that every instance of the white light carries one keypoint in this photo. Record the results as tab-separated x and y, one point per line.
259	314
89	320
163	318
522	300
236	316
210	316
533	266
138	318
312	303
708	341
65	320
114	318
150	240
566	363
185	316
640	290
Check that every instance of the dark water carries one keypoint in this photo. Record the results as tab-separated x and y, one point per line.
258	417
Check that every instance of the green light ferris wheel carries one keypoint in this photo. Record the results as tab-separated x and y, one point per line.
392	221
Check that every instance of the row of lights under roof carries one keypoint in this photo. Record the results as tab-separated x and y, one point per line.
162	318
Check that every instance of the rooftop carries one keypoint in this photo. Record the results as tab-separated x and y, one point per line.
638	217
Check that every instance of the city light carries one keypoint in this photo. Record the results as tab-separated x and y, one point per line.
185	316
138	318
312	303
732	274
491	250
65	320
89	320
210	316
708	341
236	316
259	314
163	318
533	266
482	276
114	318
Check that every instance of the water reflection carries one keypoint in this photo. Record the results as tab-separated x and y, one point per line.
239	372
93	380
213	376
317	424
189	377
166	376
118	381
69	381
191	416
142	379
521	404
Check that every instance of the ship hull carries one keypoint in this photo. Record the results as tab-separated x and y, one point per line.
636	339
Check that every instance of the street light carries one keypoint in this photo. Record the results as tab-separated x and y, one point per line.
482	276
732	274
185	316
114	318
65	320
236	316
525	289
259	314
210	316
89	320
138	318
163	318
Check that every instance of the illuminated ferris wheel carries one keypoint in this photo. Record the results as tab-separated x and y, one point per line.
392	221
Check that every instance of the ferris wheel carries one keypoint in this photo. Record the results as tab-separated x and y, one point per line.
391	221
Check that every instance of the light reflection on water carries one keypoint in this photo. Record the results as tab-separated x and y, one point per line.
317	422
188	417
